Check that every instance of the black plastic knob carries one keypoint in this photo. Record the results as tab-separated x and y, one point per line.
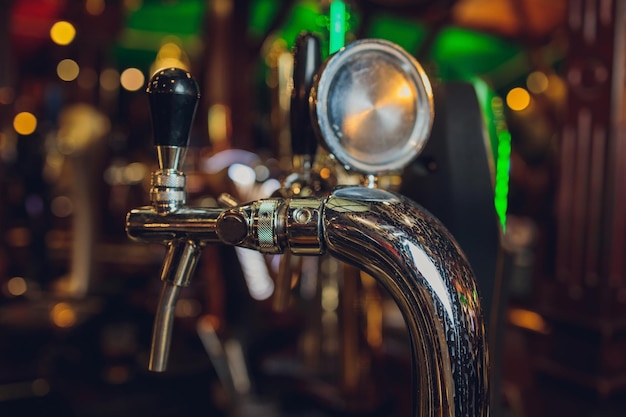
174	97
307	60
232	228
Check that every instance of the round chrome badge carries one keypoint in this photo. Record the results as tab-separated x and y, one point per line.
373	104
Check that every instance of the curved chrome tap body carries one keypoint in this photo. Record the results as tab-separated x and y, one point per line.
390	237
414	257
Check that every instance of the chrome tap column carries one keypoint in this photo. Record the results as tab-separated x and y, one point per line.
414	257
385	234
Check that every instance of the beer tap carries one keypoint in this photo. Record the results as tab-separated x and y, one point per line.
173	96
307	58
304	180
385	234
334	356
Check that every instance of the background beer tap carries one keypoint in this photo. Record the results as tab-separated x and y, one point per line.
307	58
332	344
304	180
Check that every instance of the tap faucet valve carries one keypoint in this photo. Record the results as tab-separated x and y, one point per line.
174	97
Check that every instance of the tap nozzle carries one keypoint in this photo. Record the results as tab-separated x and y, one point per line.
178	268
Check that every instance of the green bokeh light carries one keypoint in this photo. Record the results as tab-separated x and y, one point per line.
148	26
337	27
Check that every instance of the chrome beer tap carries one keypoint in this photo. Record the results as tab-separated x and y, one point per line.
304	180
385	234
173	96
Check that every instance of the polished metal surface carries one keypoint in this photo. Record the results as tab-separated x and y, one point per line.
414	257
282	283
167	191
178	268
167	199
303	226
401	245
180	262
170	158
163	326
200	224
266	225
373	106
271	226
168	179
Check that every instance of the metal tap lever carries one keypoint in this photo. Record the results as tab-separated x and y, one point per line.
174	98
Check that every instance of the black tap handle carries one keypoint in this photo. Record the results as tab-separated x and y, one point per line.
174	97
307	59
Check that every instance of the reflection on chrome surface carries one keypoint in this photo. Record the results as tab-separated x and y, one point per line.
373	106
431	281
384	234
393	239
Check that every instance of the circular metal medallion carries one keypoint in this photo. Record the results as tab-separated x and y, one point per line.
373	104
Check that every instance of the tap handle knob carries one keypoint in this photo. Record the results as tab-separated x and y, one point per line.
174	97
307	60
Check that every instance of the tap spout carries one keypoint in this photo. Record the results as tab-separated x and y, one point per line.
178	268
414	257
163	327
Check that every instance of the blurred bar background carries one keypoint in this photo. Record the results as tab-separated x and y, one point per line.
77	298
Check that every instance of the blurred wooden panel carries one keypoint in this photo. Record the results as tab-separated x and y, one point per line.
516	18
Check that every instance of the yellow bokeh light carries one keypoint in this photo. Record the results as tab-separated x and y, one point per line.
68	70
537	82
518	99
25	123
62	33
132	79
109	79
17	286
218	120
94	7
63	315
528	320
557	88
170	50
170	54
